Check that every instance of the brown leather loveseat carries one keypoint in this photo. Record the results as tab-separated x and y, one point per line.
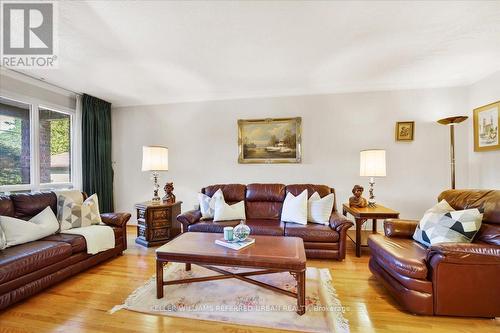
453	279
263	204
28	268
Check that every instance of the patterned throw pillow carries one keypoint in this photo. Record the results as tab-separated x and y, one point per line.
443	224
72	215
207	204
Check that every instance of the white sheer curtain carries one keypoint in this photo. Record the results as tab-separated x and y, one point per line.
77	152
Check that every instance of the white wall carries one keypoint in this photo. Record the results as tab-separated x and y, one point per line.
202	140
484	167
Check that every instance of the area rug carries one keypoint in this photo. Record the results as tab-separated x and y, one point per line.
237	302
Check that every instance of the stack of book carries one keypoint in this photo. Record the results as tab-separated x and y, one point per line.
235	245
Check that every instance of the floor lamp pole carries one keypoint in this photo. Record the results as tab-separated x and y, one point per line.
452	154
452	121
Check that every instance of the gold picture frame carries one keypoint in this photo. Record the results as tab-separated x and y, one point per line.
405	130
271	140
486	121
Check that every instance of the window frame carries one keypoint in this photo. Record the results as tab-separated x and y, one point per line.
35	105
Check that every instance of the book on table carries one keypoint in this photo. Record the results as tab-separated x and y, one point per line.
235	245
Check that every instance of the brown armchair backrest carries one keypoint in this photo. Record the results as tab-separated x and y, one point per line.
264	201
486	200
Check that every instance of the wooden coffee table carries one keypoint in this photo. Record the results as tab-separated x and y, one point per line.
269	254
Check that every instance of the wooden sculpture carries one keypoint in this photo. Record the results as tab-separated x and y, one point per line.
357	200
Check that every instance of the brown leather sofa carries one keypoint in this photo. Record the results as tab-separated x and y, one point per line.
29	268
263	204
453	279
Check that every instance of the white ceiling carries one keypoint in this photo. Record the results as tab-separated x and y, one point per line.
154	52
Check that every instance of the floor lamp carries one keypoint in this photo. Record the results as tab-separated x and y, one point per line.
452	121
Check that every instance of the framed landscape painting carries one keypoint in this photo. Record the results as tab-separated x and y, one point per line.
270	140
486	120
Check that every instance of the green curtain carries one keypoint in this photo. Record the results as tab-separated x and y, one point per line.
97	166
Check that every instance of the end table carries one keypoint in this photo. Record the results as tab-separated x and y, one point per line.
361	215
157	223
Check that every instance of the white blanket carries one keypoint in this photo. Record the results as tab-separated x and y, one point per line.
98	237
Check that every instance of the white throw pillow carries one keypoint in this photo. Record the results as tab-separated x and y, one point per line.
319	209
18	231
73	215
3	239
295	208
225	212
207	204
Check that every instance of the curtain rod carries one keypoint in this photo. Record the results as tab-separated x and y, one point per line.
44	81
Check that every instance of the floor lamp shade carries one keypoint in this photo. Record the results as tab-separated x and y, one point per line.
154	158
372	163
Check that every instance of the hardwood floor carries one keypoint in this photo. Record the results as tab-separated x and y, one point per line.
81	303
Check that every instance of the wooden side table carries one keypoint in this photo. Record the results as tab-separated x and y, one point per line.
157	223
361	215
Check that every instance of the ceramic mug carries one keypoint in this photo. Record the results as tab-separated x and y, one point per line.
228	233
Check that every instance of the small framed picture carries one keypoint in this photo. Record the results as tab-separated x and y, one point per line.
405	130
486	120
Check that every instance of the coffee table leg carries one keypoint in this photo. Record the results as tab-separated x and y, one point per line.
188	267
159	278
301	293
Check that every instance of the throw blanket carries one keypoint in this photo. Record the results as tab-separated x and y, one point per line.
98	237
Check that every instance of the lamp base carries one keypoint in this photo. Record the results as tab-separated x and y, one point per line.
371	199
155	200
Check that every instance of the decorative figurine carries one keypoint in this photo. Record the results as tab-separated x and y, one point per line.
357	200
169	195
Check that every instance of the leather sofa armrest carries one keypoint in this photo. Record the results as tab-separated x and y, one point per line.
115	219
188	218
339	222
462	253
400	228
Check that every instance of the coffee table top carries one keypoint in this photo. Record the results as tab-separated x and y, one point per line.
268	251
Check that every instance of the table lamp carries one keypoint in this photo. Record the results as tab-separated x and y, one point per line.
155	159
372	164
452	121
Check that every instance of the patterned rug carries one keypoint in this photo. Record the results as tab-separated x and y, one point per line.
238	302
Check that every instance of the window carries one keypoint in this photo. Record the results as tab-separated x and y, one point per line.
36	146
55	146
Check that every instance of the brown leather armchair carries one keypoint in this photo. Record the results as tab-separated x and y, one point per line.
454	279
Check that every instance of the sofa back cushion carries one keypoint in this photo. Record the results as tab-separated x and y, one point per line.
27	205
264	201
486	200
6	206
296	189
233	193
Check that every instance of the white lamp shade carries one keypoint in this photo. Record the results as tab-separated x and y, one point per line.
154	158
372	163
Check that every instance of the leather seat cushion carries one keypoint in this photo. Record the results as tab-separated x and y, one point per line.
77	242
22	259
312	232
211	226
257	226
404	256
266	227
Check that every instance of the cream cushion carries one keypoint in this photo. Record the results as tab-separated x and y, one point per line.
295	208
18	231
226	212
319	209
